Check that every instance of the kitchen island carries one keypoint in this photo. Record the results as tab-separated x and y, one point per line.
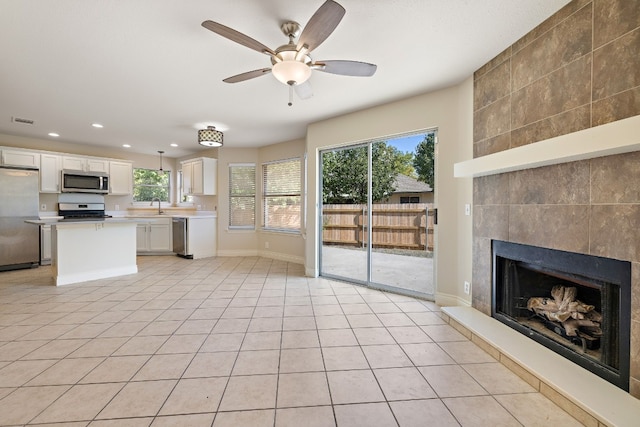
91	249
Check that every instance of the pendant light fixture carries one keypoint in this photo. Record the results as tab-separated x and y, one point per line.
161	170
210	137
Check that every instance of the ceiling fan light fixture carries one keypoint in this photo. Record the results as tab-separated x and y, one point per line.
210	137
287	68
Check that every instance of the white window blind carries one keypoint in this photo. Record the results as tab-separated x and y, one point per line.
282	194
242	196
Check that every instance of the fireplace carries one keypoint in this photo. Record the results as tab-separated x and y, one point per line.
574	304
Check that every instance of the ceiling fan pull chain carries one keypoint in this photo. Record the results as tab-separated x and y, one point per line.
290	94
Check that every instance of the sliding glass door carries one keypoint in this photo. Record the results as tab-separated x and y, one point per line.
377	214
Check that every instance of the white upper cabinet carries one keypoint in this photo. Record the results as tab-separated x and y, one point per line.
199	176
20	158
120	178
50	165
86	164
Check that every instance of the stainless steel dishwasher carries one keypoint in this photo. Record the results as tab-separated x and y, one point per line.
180	227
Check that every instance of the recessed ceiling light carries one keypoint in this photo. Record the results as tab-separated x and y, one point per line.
55	135
97	125
174	145
126	145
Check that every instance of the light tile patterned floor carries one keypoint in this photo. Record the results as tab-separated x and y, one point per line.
243	342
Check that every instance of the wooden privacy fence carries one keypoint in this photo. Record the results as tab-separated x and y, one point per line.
399	226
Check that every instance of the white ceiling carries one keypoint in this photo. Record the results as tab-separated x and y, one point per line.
151	74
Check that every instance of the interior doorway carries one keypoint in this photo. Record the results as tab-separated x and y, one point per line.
377	214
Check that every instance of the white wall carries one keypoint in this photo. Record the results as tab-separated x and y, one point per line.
451	112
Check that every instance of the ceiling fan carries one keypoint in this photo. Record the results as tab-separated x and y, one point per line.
291	62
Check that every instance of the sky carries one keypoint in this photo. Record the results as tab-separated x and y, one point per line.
407	143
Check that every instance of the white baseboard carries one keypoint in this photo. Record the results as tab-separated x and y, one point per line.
445	300
282	257
235	253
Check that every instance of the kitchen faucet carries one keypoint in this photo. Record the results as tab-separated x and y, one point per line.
155	199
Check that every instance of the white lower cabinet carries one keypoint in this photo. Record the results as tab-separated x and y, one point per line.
45	244
153	236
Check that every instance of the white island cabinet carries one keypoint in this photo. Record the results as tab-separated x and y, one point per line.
91	250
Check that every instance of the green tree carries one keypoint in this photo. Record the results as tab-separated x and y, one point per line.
423	160
149	184
344	173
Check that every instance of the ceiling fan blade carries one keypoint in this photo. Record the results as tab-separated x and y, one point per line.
304	90
346	68
321	25
248	75
237	37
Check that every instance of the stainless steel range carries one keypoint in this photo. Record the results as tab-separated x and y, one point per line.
81	211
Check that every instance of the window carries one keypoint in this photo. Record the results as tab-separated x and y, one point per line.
149	184
282	194
242	196
409	199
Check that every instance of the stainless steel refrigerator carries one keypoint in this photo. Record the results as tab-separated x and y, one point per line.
19	241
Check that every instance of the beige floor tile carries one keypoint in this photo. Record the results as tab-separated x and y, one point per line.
354	387
443	333
466	352
372	336
196	327
238	312
227	326
301	360
56	349
16	331
356	308
195	395
395	319
298	310
81	402
164	367
300	323
143	315
426	318
317	416
269	311
384	307
497	379
403	384
328	310
218	364
303	389
193	420
411	307
19	373
176	314
15	411
413	413
364	321
66	371
334	321
87	330
222	342
426	354
115	369
451	381
344	358
408	334
263	418
213	313
99	347
534	409
166	327
251	392
138	399
386	356
257	362
337	338
141	345
261	341
15	350
300	339
124	329
182	344
47	332
367	414
480	411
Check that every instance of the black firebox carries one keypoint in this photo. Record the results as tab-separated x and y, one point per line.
574	304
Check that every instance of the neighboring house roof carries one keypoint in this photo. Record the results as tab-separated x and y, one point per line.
406	184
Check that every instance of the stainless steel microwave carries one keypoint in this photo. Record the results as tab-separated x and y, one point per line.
84	182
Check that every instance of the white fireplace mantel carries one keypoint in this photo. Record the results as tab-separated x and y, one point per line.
622	136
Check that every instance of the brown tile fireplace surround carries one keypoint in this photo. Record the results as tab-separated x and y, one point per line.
575	75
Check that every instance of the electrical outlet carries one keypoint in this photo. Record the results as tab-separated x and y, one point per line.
117	207
43	207
467	209
266	245
467	287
